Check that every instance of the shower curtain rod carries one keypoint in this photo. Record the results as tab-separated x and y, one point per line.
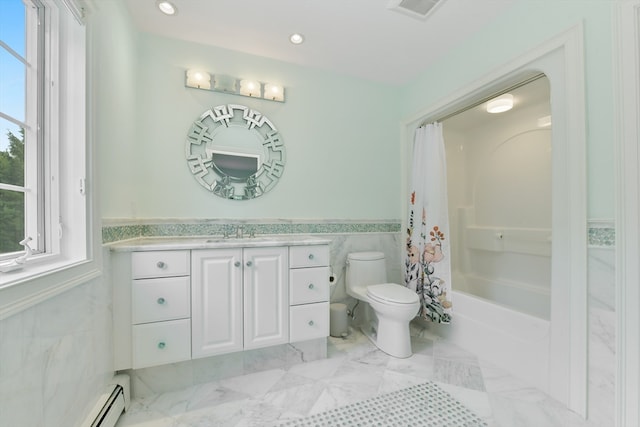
485	99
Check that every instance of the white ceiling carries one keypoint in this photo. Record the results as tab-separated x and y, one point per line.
361	38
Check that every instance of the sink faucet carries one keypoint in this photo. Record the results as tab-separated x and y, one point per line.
239	231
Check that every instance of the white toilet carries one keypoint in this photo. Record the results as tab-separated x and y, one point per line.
389	307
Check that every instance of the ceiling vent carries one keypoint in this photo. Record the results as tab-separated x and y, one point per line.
416	8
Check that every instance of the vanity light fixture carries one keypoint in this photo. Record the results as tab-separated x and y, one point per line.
225	83
199	79
296	38
273	92
167	7
250	88
500	104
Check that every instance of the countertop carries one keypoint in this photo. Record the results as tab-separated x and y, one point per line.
213	242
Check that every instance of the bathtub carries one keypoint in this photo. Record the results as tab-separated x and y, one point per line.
507	338
519	296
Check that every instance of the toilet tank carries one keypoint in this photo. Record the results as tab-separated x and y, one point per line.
364	269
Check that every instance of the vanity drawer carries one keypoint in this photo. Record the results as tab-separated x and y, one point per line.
161	299
308	321
308	285
160	264
161	342
308	256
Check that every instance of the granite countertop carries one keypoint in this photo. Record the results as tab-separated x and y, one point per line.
213	242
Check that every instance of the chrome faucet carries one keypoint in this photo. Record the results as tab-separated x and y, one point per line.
239	231
226	231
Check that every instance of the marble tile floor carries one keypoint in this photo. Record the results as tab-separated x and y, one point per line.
355	370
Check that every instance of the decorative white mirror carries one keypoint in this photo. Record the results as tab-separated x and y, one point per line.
235	152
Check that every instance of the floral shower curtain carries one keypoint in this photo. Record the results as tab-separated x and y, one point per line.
428	260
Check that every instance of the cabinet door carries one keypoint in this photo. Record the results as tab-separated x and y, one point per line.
216	301
266	298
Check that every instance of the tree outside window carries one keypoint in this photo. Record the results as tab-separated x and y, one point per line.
12	202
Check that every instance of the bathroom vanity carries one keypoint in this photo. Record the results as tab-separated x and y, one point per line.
178	299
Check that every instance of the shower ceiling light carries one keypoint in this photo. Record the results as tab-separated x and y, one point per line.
500	104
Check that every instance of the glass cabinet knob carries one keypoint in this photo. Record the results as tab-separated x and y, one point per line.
249	263
161	300
161	264
310	256
237	264
310	285
161	345
310	322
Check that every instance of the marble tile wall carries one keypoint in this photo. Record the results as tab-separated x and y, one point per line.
602	334
56	358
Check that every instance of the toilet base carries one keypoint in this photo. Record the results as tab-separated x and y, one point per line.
388	334
393	338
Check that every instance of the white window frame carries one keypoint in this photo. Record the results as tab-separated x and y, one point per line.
32	186
69	257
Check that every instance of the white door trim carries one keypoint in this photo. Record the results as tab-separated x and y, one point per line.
627	126
562	60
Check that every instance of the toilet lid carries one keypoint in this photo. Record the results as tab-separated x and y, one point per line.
391	292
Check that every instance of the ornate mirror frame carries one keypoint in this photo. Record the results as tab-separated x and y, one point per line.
235	152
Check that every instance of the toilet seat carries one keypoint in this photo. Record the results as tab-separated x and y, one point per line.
391	293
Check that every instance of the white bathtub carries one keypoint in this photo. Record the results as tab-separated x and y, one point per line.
509	339
519	296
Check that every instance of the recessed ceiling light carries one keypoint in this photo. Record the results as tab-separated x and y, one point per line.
166	7
296	38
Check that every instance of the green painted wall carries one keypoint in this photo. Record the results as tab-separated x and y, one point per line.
523	27
112	59
340	134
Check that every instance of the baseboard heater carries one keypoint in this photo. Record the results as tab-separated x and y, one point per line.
111	404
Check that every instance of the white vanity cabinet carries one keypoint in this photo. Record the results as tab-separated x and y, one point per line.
240	299
177	301
309	292
160	308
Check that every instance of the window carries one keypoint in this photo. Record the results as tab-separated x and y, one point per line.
17	58
43	148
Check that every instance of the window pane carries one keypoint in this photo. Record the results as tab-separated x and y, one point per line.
11	154
12	18
12	85
12	220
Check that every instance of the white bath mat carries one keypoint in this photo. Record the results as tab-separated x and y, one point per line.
421	405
